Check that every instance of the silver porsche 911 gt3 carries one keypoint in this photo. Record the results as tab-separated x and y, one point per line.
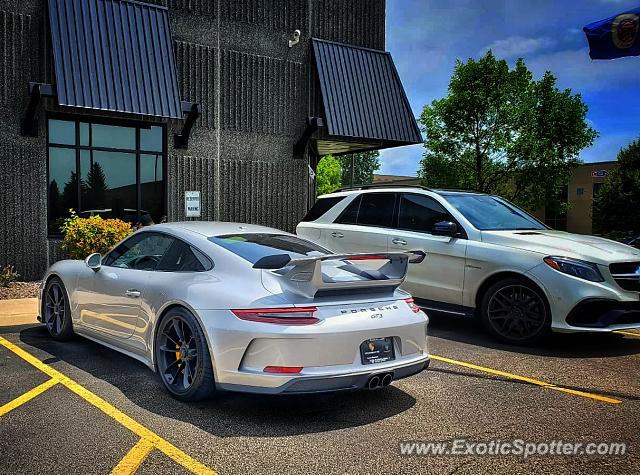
241	307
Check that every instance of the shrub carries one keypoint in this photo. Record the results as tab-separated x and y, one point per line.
84	236
8	274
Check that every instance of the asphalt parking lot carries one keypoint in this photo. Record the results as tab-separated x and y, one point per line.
96	411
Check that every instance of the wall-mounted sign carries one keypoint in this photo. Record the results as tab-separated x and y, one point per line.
192	204
599	173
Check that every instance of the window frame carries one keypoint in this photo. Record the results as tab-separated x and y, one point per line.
77	148
212	264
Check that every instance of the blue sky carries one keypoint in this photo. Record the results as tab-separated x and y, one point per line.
426	36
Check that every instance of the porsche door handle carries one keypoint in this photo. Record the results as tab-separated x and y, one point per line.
398	241
337	234
133	293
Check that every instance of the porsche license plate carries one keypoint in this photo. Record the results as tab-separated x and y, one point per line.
377	350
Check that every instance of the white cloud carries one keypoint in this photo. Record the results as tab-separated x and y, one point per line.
517	46
606	147
574	69
401	160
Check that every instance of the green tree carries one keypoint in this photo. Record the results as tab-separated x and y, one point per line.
364	165
328	175
500	131
616	205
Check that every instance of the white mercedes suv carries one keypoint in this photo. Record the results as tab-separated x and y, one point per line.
487	257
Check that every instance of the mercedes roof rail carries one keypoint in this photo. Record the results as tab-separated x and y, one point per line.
381	185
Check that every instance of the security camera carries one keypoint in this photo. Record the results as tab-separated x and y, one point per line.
296	38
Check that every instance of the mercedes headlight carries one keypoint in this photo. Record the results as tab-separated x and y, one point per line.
577	268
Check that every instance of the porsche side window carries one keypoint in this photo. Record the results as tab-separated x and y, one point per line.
142	252
183	258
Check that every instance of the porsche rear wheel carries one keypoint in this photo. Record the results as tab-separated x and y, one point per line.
182	357
56	313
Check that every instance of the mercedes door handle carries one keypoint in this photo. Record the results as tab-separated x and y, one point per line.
133	293
398	241
336	234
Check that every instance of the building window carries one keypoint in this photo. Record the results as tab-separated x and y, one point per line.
555	215
104	169
580	191
596	188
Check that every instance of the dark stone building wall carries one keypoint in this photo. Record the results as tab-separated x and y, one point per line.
232	57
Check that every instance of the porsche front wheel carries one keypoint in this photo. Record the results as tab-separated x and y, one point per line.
56	312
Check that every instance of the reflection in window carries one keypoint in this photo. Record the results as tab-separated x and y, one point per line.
151	188
63	186
108	184
113	136
62	132
97	173
151	139
84	133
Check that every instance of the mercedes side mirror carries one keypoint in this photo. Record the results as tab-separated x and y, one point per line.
94	261
445	228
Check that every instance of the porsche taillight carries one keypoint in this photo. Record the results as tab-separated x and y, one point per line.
279	316
412	305
283	369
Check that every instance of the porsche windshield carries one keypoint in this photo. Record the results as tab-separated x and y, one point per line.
253	247
490	213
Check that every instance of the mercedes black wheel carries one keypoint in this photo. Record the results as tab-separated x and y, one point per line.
56	313
515	311
182	357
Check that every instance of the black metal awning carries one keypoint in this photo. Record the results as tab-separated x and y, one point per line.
114	55
364	103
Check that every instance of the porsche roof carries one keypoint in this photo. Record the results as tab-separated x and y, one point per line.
213	228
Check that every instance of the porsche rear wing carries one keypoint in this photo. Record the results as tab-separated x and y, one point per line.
305	276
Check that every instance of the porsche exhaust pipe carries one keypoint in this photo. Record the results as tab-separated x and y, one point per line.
379	381
374	383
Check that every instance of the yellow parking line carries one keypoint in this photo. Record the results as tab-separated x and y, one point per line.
525	379
134	458
631	334
28	396
141	431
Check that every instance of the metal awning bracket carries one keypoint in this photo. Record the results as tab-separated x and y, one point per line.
313	124
29	122
192	110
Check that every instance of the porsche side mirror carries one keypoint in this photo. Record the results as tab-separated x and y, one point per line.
94	261
445	228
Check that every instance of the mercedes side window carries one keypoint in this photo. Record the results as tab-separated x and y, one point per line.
376	209
321	207
350	214
420	213
143	251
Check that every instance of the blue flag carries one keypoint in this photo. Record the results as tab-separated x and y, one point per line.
614	37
